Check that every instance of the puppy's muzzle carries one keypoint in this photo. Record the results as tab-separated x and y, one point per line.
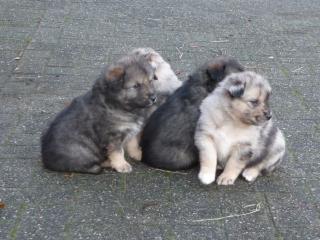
268	115
153	98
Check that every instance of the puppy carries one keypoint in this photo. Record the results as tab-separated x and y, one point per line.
91	132
167	81
165	84
168	137
235	131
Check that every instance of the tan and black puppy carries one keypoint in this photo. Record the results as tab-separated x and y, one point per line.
235	131
92	131
165	83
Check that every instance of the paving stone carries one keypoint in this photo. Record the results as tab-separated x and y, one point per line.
52	51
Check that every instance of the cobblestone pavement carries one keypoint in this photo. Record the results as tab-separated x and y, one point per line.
52	51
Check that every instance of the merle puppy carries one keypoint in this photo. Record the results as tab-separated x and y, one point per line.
235	131
91	132
168	137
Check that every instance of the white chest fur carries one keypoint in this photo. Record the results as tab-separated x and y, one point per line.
227	137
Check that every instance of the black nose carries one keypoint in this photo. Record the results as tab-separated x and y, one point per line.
153	98
268	115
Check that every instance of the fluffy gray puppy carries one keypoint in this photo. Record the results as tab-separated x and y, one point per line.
92	131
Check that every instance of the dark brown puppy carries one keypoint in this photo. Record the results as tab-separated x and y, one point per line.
168	138
91	132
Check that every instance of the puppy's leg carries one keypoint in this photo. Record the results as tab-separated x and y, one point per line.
117	161
251	173
232	169
208	159
106	164
133	148
267	165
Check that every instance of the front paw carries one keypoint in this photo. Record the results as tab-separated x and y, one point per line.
136	154
122	167
250	174
225	179
206	177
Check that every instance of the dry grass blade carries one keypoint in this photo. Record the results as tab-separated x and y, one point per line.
257	209
167	171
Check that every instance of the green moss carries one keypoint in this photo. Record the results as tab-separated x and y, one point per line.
284	71
317	128
123	183
28	39
67	19
278	236
66	231
120	211
14	231
300	96
170	235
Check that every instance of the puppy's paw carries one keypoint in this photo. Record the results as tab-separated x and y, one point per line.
224	179
136	154
250	174
206	177
122	167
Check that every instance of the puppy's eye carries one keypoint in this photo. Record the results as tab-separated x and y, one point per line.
254	102
137	85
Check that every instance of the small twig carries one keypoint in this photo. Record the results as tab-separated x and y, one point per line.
250	205
68	175
220	41
167	171
154	19
298	69
257	209
181	53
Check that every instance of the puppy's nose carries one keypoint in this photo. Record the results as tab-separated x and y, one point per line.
153	98
268	114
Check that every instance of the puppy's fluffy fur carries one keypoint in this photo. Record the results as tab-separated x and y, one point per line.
165	84
168	137
167	81
235	130
91	132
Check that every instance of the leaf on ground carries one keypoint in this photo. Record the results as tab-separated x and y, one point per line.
149	204
68	175
2	205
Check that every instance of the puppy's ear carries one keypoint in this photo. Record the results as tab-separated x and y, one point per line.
114	72
221	67
236	88
152	58
216	71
